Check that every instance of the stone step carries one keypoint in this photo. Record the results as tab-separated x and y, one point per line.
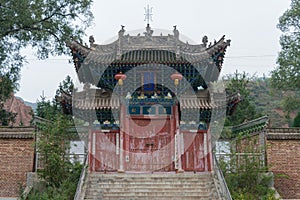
159	176
150	179
150	186
153	198
141	180
160	192
149	189
146	182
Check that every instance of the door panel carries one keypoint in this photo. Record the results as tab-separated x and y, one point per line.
193	158
150	145
105	156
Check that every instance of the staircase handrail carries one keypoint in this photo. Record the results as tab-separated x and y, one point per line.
225	193
81	180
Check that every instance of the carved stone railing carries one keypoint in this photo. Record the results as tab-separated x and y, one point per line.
79	195
220	182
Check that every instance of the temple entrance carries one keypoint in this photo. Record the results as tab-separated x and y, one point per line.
150	144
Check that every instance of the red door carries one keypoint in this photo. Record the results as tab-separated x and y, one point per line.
193	158
103	151
151	146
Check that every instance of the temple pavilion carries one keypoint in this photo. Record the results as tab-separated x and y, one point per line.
148	101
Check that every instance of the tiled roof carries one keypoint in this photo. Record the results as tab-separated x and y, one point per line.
283	133
96	103
130	50
17	132
252	126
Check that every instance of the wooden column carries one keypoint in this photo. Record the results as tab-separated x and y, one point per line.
205	151
179	141
126	138
90	156
121	148
174	146
209	149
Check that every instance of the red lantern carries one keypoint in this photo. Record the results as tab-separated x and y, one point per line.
120	77
176	78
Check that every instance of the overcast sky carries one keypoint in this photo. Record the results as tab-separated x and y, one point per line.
251	26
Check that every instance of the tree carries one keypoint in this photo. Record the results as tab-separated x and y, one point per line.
245	110
45	25
244	173
53	145
290	103
63	97
297	120
49	109
287	74
6	86
60	176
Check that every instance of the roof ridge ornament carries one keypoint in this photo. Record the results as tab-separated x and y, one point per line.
122	31
176	32
205	41
149	31
148	14
91	40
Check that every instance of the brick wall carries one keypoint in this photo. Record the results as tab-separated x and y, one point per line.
16	159
283	156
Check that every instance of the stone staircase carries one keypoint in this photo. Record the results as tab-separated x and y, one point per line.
183	186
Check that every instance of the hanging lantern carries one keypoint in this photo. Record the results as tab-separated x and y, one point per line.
176	77
120	77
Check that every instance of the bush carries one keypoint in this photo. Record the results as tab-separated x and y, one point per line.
246	178
297	120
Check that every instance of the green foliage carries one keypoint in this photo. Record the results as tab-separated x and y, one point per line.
63	95
46	109
297	120
49	109
6	118
287	75
66	190
7	85
245	176
245	110
278	104
290	103
53	145
45	25
66	86
59	176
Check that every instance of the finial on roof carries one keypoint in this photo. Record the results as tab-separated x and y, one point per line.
205	40
176	32
149	31
148	14
122	31
91	40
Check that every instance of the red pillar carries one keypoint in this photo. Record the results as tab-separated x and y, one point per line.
122	139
